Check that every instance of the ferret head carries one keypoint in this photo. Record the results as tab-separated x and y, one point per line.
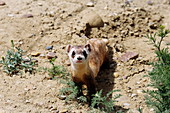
78	54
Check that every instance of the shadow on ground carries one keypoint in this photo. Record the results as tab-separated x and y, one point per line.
105	79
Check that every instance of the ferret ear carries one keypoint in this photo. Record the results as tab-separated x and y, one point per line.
88	47
68	48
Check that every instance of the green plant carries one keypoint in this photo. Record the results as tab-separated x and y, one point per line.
106	105
56	71
160	75
72	91
14	63
140	110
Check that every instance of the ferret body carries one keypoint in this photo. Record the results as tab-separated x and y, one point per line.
86	61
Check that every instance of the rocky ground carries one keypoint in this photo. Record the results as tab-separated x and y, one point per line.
35	25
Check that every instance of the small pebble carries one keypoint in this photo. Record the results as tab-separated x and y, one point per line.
144	80
127	2
133	95
138	82
125	77
2	3
42	56
49	47
10	15
26	89
139	91
129	91
150	2
126	104
62	97
34	88
26	59
31	35
64	110
116	74
127	56
51	14
40	4
27	101
151	109
35	54
27	16
51	55
90	4
34	60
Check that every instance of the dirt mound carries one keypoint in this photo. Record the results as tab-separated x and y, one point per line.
135	22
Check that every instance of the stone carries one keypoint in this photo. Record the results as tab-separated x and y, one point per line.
126	104
151	109
93	20
27	16
139	91
34	88
51	14
138	82
64	110
49	47
40	4
62	97
150	2
26	59
116	74
125	77
127	2
26	89
144	80
42	56
31	35
10	15
123	98
34	60
27	101
2	3
35	54
90	4
51	55
134	95
127	56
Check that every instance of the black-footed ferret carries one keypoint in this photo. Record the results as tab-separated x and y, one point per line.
86	61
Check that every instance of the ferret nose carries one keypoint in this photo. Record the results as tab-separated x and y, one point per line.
79	58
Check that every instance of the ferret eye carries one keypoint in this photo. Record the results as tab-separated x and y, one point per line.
85	54
73	54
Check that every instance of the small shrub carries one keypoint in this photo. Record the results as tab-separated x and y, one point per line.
160	75
13	62
72	91
106	105
56	70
